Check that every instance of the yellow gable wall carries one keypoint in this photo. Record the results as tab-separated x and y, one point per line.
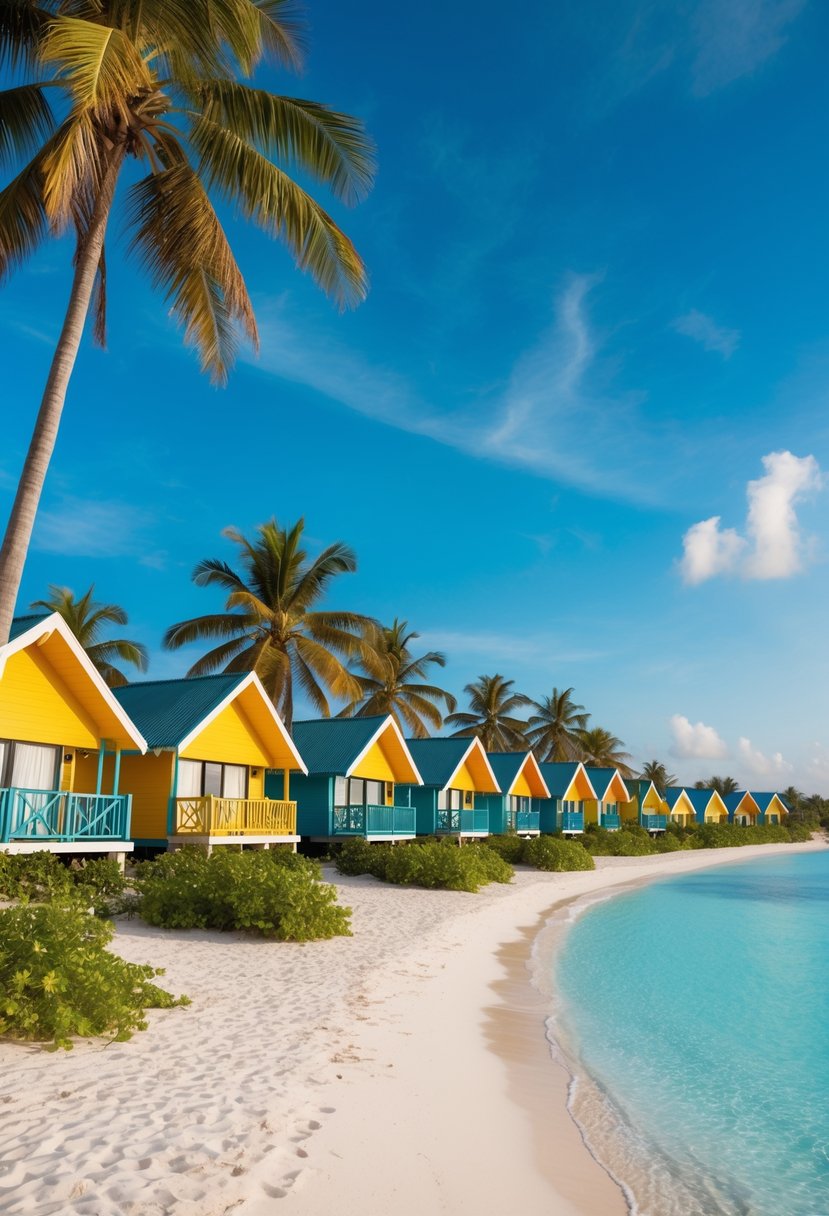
230	739
521	786
37	707
378	762
579	788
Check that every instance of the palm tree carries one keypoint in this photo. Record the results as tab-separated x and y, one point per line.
656	772
793	797
157	85
269	625
723	785
86	617
554	730
491	705
390	679
603	749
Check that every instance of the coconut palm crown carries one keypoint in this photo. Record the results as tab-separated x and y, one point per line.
492	704
391	681
603	749
87	618
723	785
554	728
270	625
158	96
655	771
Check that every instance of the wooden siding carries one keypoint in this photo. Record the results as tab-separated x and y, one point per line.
149	779
231	739
38	707
378	764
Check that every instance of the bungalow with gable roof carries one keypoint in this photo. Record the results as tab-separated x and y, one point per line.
570	787
708	806
516	807
681	810
456	776
611	795
646	806
742	808
62	736
772	808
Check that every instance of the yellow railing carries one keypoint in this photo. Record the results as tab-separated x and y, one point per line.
212	816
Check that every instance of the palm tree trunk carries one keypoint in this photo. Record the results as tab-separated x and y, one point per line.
29	489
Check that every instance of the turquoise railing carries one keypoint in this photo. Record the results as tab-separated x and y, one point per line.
571	821
463	821
527	821
61	816
373	820
655	823
611	821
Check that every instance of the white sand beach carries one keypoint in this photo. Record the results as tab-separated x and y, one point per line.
402	1070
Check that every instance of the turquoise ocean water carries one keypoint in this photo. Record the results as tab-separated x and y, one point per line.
696	1013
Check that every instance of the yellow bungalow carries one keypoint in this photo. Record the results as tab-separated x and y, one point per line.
742	808
646	806
358	782
772	808
211	740
681	810
611	795
62	735
708	806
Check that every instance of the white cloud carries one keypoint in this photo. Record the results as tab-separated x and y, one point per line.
506	647
710	550
774	546
695	740
547	418
704	329
735	37
759	764
80	527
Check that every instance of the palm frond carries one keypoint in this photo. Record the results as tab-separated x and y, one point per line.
216	625
26	120
23	222
98	63
119	648
22	25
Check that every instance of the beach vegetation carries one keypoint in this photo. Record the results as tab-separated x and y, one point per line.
87	618
510	846
631	841
391	679
434	864
98	882
273	893
58	979
491	715
556	854
271	624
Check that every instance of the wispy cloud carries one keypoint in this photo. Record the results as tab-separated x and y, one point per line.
695	740
733	38
79	527
704	329
507	647
774	546
758	764
553	416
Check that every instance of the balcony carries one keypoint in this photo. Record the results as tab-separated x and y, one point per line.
214	816
527	821
571	821
374	820
655	823
465	823
611	821
62	817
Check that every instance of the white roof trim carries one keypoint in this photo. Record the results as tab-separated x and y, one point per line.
580	765
250	680
384	726
529	756
475	741
616	774
54	623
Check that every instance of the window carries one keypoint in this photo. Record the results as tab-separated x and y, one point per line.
354	791
29	766
450	800
198	777
518	803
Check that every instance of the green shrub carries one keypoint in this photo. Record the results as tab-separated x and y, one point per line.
34	875
670	842
510	847
597	841
435	864
799	833
57	979
553	853
262	892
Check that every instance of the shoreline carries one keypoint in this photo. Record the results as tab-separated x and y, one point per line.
404	1069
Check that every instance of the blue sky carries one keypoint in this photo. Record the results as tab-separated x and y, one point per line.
556	432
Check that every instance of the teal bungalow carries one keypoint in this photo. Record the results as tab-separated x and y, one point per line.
611	795
457	778
742	808
355	768
570	788
772	808
708	806
646	807
516	808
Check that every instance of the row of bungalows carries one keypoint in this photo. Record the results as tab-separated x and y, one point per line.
161	763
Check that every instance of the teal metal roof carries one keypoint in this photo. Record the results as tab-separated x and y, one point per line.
331	745
437	759
732	801
764	800
600	778
700	798
671	794
558	777
21	624
506	767
167	711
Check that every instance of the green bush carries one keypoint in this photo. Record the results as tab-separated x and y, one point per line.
57	978
670	842
799	833
631	841
510	847
98	881
272	893
433	864
553	853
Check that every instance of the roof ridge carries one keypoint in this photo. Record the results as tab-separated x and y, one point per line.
218	675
